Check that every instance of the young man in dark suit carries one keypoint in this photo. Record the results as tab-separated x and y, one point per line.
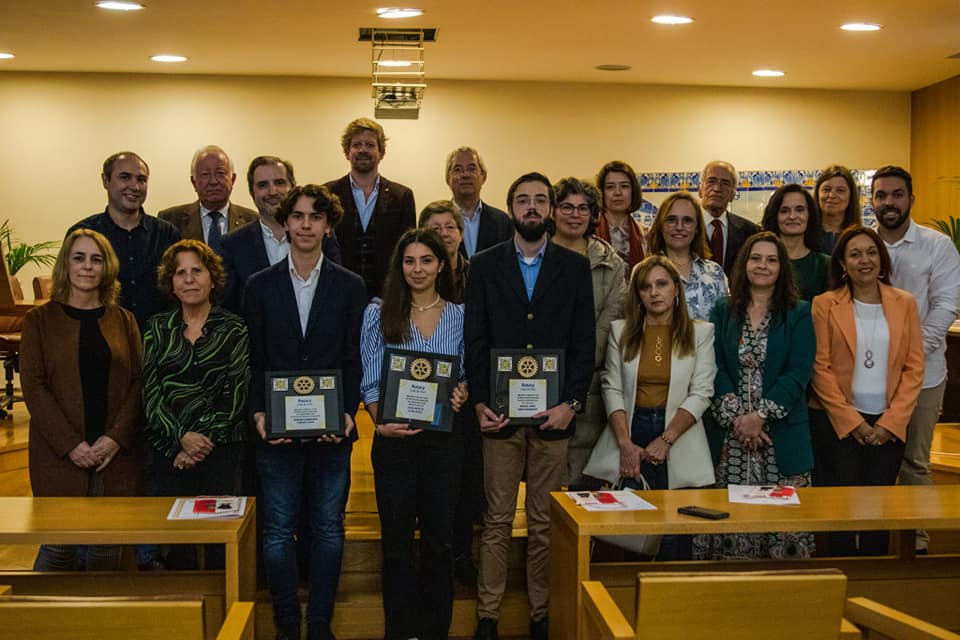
261	243
526	293
304	313
376	211
483	225
726	231
212	216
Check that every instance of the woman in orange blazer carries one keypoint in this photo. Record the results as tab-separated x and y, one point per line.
867	375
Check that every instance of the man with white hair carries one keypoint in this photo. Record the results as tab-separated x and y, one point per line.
212	215
726	231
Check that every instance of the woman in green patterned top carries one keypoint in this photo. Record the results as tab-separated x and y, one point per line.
195	376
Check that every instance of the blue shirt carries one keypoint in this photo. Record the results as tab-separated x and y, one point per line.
447	339
471	230
530	267
365	207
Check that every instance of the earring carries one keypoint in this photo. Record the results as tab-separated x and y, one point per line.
881	275
676	300
843	276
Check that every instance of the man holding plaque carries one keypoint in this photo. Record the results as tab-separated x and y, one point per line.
528	294
304	316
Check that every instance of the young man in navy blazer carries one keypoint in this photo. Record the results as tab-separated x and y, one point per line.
304	313
525	293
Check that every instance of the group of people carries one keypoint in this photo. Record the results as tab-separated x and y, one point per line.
692	357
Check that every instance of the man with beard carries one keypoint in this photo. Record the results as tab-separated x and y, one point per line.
925	263
483	225
212	215
138	239
376	210
726	230
525	294
261	243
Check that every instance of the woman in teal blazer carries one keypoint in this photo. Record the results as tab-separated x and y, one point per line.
759	432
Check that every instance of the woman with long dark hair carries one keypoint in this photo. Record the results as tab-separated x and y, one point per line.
416	472
764	347
793	215
838	196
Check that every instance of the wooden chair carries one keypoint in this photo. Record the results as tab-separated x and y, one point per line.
877	622
105	618
42	286
12	310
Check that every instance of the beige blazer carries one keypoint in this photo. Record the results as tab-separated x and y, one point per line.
691	388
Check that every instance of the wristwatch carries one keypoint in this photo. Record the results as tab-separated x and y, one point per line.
575	404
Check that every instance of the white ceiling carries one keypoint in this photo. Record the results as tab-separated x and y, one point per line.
505	40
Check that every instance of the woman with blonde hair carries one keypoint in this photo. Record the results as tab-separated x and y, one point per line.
80	373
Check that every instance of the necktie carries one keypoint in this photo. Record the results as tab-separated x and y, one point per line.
716	242
215	235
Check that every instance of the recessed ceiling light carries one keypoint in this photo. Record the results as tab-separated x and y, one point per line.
120	6
671	19
861	26
399	12
166	57
768	73
394	63
613	67
5	55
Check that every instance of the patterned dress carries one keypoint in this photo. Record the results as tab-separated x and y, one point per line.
706	285
739	465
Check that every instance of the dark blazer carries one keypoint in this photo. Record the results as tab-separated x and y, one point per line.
186	218
560	316
786	371
244	254
738	230
332	339
495	227
394	213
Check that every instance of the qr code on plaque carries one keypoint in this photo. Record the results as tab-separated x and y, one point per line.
504	363
398	363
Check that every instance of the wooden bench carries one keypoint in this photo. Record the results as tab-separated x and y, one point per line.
104	618
747	606
922	586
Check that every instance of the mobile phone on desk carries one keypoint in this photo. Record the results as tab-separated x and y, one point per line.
703	512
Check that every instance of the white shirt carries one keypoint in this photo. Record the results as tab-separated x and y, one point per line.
206	220
303	290
926	263
277	250
873	335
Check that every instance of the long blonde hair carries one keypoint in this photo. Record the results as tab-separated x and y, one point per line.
109	282
635	313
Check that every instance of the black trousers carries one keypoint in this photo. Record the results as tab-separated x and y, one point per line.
469	509
417	480
219	474
845	463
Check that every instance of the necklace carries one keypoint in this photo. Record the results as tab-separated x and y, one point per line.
658	351
868	344
429	306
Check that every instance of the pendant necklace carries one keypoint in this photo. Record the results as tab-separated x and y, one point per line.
868	346
658	351
433	304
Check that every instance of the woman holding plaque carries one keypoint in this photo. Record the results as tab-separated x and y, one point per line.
867	375
764	347
575	218
196	373
657	383
416	471
80	373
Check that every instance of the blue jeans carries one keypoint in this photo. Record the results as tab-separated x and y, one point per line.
286	471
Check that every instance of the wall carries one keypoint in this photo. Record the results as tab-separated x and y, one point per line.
935	150
56	129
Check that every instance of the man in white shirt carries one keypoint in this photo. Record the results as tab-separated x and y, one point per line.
212	215
726	231
925	263
263	242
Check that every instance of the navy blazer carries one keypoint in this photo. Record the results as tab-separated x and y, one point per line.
738	230
559	316
791	347
495	227
394	213
332	339
244	253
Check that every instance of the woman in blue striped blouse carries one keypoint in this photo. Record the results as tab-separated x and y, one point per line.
415	471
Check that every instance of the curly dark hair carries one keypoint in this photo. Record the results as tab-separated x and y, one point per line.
324	201
211	261
785	294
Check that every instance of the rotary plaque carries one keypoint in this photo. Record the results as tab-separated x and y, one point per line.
524	382
304	404
415	388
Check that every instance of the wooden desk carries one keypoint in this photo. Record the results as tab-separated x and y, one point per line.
133	521
903	508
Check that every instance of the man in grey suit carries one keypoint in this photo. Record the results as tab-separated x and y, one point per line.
483	225
726	231
212	215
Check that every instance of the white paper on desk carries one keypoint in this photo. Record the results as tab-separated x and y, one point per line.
225	508
762	494
622	501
